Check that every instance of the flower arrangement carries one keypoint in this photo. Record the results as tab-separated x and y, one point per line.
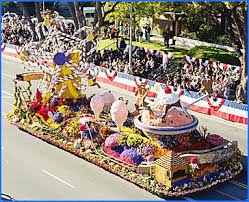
147	149
150	185
104	132
204	170
58	117
122	139
111	152
135	140
131	156
112	140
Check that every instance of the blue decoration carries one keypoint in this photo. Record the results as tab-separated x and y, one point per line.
118	149
58	117
61	58
74	107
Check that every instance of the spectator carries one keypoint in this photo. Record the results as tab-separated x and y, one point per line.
166	36
105	32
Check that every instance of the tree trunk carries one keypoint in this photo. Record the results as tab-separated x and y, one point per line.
99	17
27	16
95	16
80	18
38	15
240	19
73	14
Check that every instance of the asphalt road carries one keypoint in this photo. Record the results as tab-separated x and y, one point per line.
35	170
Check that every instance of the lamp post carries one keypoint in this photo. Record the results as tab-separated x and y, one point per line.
130	49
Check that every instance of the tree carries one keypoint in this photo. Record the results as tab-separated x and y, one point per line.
73	14
39	18
80	17
102	10
236	15
238	32
27	16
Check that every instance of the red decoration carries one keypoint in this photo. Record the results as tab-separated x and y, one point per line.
43	112
181	93
38	95
219	103
110	77
139	83
168	90
82	127
4	46
35	106
193	160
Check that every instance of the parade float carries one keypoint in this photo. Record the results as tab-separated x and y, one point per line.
159	147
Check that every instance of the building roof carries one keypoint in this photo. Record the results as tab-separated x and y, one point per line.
171	160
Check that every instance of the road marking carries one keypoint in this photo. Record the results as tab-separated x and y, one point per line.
238	184
59	179
7	93
225	194
7	75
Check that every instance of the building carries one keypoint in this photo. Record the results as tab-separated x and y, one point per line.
170	168
89	14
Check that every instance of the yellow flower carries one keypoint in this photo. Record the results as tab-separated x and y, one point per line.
46	97
63	109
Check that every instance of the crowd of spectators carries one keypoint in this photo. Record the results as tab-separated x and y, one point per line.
15	32
144	64
189	76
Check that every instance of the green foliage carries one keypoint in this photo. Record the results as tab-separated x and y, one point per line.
190	35
214	54
207	32
140	9
224	40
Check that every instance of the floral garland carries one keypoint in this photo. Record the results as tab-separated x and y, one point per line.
215	107
158	189
109	76
142	81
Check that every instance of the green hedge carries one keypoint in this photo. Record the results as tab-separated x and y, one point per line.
214	54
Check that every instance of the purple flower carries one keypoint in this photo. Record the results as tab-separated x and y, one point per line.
147	149
132	155
54	101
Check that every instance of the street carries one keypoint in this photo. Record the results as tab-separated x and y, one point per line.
33	169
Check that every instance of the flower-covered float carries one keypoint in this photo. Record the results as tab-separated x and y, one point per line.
159	150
